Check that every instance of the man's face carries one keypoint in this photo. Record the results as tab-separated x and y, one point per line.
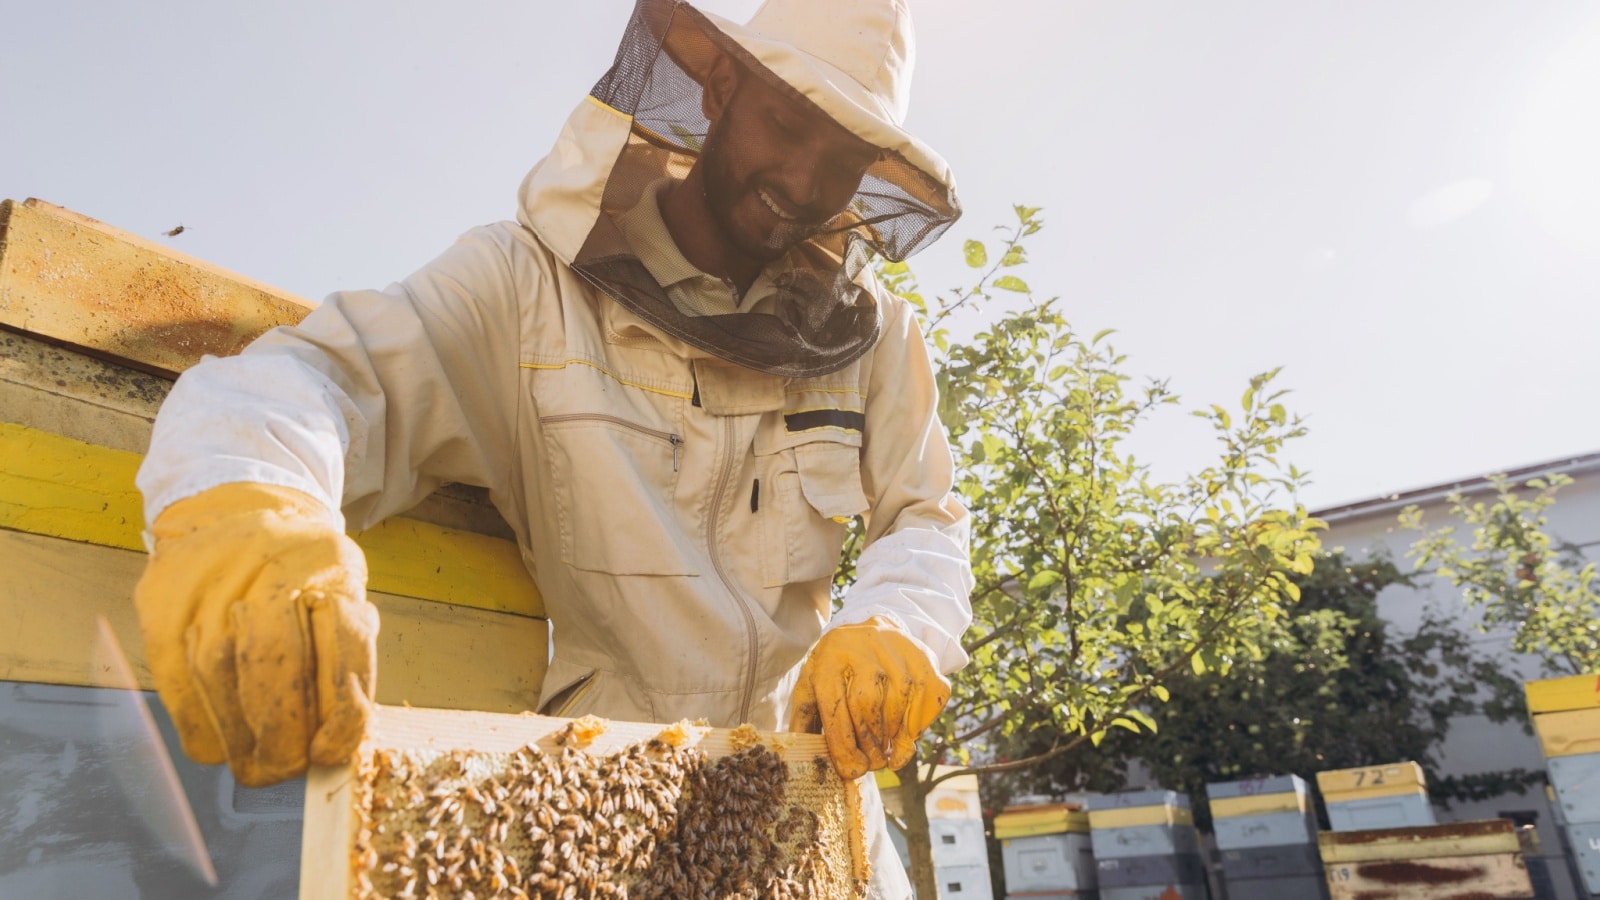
777	170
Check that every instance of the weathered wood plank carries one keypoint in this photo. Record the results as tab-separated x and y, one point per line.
1501	876
69	278
54	591
1485	836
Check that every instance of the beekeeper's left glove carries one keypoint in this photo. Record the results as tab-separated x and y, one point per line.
258	630
872	690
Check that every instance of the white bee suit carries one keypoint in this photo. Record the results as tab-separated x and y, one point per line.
681	514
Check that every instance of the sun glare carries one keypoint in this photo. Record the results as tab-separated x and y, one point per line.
1555	147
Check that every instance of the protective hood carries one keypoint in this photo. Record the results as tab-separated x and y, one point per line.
643	122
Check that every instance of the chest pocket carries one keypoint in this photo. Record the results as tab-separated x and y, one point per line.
815	489
615	482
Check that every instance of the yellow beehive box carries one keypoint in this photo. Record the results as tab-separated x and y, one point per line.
1561	694
98	322
1366	782
1051	818
1569	733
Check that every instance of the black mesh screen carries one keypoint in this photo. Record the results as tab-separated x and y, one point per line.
820	319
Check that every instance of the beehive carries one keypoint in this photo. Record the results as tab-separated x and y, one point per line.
450	804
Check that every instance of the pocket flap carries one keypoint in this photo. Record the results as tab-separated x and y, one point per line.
830	479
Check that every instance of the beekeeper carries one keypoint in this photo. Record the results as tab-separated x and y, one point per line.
678	379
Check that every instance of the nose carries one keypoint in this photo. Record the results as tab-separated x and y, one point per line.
800	179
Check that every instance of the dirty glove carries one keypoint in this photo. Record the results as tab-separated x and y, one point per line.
872	689
258	630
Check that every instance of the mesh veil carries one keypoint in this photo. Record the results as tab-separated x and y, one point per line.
822	317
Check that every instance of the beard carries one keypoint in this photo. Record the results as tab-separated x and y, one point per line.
726	189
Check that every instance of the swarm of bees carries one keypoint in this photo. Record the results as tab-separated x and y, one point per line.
650	821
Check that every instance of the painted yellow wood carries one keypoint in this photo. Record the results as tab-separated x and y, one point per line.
397	728
54	591
1569	733
1365	778
1051	819
1561	694
72	279
1373	793
1501	876
57	486
54	485
1139	815
1479	838
1258	805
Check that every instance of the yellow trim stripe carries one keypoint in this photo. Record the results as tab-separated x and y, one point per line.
614	376
1562	694
60	487
606	106
1375	792
1258	805
1133	817
1045	821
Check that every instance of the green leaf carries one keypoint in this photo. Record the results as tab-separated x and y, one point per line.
1143	718
977	254
1197	664
1125	723
1043	579
1101	335
1160	692
1011	283
1015	256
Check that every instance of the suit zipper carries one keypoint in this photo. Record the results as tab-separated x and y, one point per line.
716	563
578	688
667	436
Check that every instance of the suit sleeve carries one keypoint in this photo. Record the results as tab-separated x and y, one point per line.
375	399
915	567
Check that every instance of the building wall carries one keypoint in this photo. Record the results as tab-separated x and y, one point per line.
1474	744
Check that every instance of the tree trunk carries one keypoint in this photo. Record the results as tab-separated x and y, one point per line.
914	803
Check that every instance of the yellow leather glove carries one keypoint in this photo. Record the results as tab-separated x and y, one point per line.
258	630
872	690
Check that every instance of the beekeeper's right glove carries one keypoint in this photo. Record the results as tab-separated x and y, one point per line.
258	631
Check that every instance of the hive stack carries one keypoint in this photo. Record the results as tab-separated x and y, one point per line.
1267	833
1146	847
1047	852
1566	715
94	325
1387	796
1480	860
441	803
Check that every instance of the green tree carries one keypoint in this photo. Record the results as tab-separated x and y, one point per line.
1516	574
1096	582
1342	689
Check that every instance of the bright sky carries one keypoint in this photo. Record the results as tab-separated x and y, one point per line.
1398	202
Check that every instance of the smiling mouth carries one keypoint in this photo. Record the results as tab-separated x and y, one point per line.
773	205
